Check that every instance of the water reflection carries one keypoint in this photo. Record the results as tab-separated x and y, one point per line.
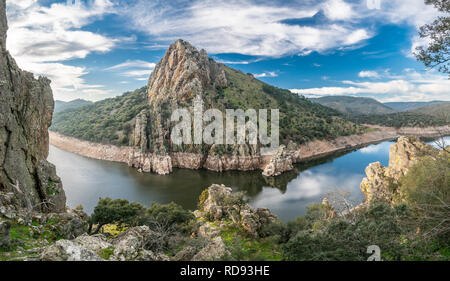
86	180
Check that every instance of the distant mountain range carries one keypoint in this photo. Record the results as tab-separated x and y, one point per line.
441	109
404	106
354	105
63	105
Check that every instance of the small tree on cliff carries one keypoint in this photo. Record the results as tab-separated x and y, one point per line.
117	211
437	53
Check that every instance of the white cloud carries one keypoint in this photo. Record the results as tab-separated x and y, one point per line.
138	69
242	26
133	64
411	86
368	74
338	10
40	38
266	74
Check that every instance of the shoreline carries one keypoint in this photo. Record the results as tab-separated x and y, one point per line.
309	151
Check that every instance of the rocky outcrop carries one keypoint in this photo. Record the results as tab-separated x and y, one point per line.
280	163
129	245
221	205
66	250
183	73
26	106
381	182
4	233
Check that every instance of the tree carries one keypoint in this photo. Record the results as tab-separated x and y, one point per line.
437	53
118	211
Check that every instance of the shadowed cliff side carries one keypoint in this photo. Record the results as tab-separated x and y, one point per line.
27	180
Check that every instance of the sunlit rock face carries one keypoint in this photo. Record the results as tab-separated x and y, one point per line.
381	181
26	108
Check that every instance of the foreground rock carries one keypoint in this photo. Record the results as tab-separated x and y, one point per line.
130	245
221	206
26	106
380	180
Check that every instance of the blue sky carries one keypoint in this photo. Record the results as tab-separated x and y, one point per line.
95	49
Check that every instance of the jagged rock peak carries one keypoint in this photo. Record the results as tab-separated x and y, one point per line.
184	72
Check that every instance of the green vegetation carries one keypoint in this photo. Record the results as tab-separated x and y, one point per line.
400	119
404	106
108	121
112	120
415	228
63	105
354	105
439	110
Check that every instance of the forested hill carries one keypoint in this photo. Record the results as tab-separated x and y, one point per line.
409	105
107	121
354	105
63	105
112	120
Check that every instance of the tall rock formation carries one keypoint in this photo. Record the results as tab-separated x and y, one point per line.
382	182
26	108
184	75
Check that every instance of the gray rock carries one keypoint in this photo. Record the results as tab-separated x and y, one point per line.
213	251
129	243
4	233
94	243
65	250
26	108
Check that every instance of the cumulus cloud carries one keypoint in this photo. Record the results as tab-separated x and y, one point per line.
138	69
266	74
411	85
245	27
368	74
40	38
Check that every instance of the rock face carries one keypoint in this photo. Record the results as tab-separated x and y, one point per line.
185	75
26	107
280	163
129	245
221	205
4	233
381	181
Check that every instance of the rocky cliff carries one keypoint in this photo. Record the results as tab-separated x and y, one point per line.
26	106
182	76
382	182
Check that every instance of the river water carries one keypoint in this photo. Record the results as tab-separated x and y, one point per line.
86	180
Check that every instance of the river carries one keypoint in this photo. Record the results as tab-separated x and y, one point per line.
86	180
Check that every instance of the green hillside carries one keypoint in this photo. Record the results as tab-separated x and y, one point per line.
107	121
354	105
63	105
409	105
441	110
112	120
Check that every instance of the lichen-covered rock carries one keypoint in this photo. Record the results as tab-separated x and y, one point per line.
213	251
26	108
186	254
65	250
70	224
4	233
381	182
129	243
279	163
222	205
95	243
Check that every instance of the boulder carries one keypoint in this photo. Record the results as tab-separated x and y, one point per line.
213	251
65	250
129	243
279	163
4	233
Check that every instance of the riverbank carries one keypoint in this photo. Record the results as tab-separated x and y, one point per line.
311	150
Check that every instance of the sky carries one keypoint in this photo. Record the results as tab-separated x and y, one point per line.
96	49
